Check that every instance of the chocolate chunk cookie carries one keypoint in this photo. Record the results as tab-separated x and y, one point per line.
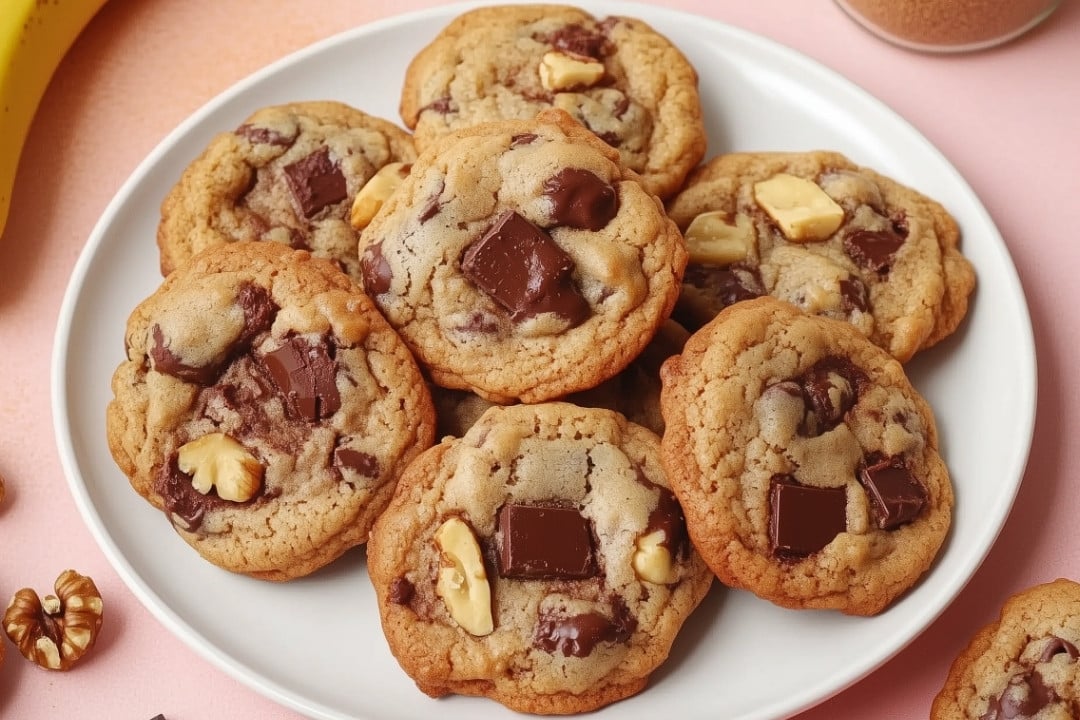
266	407
540	561
831	237
807	463
521	261
616	75
288	173
1026	665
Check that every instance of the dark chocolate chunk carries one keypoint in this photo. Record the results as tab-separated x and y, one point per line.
306	375
315	182
167	362
259	310
830	388
1023	697
441	105
668	516
577	40
431	208
374	270
578	635
872	249
401	591
853	295
361	462
804	519
520	267
545	541
1056	646
896	497
264	136
580	199
522	139
183	504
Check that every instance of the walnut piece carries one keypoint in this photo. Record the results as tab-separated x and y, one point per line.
462	582
55	631
799	206
217	461
562	72
652	560
375	193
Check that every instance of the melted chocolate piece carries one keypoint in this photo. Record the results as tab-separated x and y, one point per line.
305	374
183	504
264	136
166	361
578	635
830	388
401	591
374	270
259	311
853	295
872	249
361	462
315	182
1056	646
577	40
439	105
431	209
896	497
545	541
1023	697
804	519
668	516
521	268
580	199
522	139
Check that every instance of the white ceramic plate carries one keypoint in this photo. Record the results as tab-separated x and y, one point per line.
315	644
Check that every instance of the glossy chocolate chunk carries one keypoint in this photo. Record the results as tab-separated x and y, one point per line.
578	635
1057	646
520	267
545	541
873	249
804	519
580	199
183	504
305	374
854	295
830	388
668	516
315	182
259	310
401	591
896	497
374	270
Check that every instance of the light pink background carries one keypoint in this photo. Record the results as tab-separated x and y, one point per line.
1007	118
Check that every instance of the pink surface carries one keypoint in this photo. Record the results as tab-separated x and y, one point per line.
1006	118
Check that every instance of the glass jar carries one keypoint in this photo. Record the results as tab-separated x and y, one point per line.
948	25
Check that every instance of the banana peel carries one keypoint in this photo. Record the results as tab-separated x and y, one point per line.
34	37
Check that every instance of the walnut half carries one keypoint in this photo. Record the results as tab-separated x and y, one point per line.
55	631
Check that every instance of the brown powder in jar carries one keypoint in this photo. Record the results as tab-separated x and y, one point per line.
950	22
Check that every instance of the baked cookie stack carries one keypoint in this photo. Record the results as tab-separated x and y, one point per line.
555	370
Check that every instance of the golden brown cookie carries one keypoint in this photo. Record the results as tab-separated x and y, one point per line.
806	462
827	235
289	174
1025	665
616	75
539	560
520	260
266	407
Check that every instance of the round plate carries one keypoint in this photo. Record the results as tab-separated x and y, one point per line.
757	96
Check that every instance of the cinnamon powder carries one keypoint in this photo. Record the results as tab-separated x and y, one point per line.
948	24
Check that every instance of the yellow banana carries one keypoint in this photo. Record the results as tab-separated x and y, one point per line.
34	36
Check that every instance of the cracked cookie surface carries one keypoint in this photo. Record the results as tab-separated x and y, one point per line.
1026	664
287	174
807	463
520	260
266	407
581	577
889	264
616	75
